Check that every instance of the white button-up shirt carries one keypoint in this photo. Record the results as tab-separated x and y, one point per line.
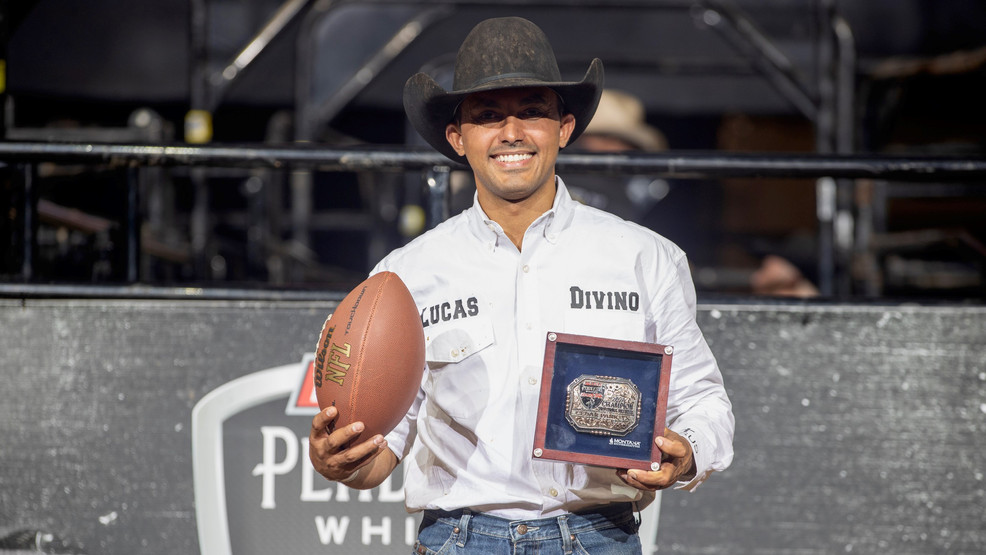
486	306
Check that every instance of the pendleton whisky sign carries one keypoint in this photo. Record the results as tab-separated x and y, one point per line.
255	489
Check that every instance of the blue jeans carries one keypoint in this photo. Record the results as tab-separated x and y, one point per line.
610	530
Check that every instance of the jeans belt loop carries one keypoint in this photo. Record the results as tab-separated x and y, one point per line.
566	535
463	528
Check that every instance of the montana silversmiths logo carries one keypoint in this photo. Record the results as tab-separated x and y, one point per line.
255	488
624	442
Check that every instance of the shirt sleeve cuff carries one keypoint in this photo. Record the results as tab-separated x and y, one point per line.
397	439
702	453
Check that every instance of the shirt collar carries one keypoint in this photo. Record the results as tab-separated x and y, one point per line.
561	214
552	223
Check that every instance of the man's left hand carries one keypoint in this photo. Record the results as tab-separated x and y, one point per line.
677	464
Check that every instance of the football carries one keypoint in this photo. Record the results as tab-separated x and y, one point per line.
370	355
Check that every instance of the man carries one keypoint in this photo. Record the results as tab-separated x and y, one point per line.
512	262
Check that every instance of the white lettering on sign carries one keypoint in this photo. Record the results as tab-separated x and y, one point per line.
332	529
279	462
387	494
270	468
410	531
369	530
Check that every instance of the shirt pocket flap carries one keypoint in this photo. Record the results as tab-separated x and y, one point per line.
453	343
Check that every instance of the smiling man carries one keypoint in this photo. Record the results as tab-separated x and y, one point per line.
511	139
516	259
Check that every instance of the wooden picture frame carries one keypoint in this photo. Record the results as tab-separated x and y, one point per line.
603	401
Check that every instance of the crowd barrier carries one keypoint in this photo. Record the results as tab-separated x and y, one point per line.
160	425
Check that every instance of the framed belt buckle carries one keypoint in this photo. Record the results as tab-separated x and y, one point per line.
603	401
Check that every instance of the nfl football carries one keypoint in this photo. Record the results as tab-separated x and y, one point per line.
370	355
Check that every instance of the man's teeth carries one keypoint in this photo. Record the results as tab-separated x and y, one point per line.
513	157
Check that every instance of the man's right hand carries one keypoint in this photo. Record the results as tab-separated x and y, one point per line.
334	456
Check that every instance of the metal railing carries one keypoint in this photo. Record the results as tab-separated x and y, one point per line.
435	169
827	101
682	164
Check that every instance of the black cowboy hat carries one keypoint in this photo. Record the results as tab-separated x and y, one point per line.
501	53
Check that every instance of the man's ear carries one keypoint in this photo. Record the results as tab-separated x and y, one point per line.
454	137
567	126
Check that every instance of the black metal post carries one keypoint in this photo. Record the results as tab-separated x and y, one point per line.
198	128
255	191
29	207
133	224
439	197
330	107
198	124
200	227
4	37
219	83
743	35
845	119
825	188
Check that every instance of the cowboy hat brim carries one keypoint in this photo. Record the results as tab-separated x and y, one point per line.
430	108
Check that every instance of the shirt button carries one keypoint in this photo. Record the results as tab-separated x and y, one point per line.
553	492
455	353
526	268
532	380
522	529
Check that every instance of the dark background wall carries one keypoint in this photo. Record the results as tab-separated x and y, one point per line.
859	428
103	71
